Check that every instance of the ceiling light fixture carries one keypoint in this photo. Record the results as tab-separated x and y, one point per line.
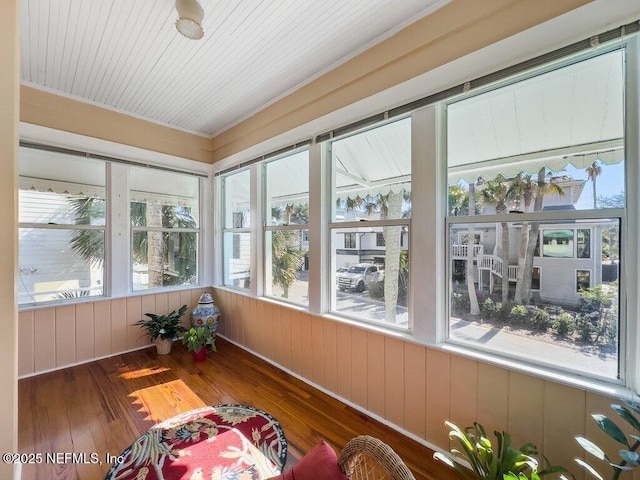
190	15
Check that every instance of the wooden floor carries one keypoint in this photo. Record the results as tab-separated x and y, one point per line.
103	406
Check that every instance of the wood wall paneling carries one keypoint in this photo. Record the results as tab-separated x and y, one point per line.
359	368
493	397
343	359
26	332
375	373
526	409
65	324
438	394
84	330
44	345
394	372
102	328
317	350
415	391
564	414
464	391
136	336
296	342
330	347
119	325
285	333
306	354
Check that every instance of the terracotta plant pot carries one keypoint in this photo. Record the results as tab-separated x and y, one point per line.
200	355
163	346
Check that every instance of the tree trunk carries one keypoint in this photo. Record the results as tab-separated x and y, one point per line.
505	262
533	238
522	260
473	298
155	247
392	256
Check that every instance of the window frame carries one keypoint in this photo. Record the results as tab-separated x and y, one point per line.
168	230
243	230
626	372
334	225
269	228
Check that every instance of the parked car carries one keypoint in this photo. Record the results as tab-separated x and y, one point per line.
358	277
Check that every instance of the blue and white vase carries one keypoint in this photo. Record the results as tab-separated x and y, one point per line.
206	313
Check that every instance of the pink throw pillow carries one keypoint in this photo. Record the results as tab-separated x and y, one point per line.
321	463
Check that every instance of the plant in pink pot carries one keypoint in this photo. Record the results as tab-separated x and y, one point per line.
197	339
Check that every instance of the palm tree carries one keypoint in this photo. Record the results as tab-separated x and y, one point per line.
287	256
150	248
522	189
541	189
458	203
593	172
389	206
474	308
497	193
89	244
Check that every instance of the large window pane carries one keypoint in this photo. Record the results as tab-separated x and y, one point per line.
372	174
572	318
52	267
545	156
62	226
163	259
363	286
287	265
286	181
162	203
236	200
568	122
287	190
237	256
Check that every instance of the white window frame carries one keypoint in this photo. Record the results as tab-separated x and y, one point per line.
629	370
198	231
268	227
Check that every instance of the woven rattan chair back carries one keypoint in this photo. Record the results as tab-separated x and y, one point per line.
367	458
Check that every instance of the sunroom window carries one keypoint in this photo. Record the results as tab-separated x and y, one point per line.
371	201
62	226
236	229
287	224
164	209
537	168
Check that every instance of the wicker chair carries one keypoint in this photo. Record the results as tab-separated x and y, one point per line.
367	458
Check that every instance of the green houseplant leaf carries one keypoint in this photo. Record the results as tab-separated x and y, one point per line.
610	428
196	338
166	327
497	460
629	457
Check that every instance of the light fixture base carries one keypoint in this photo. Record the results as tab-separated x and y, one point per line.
190	16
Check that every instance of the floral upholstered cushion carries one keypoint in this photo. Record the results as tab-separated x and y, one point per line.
321	463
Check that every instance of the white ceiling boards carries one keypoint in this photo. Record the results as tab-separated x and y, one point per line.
128	55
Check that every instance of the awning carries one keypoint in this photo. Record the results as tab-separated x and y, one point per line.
573	115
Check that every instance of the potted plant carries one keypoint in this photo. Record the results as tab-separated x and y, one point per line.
495	462
197	339
163	328
629	456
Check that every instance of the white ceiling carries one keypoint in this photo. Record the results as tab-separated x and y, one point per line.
127	55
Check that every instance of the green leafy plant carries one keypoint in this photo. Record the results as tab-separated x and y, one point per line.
629	457
495	462
167	327
197	338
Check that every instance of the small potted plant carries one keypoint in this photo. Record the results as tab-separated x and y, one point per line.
197	339
163	328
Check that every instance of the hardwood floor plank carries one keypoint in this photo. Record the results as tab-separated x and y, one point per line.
103	406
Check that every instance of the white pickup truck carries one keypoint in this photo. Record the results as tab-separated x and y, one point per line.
359	276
